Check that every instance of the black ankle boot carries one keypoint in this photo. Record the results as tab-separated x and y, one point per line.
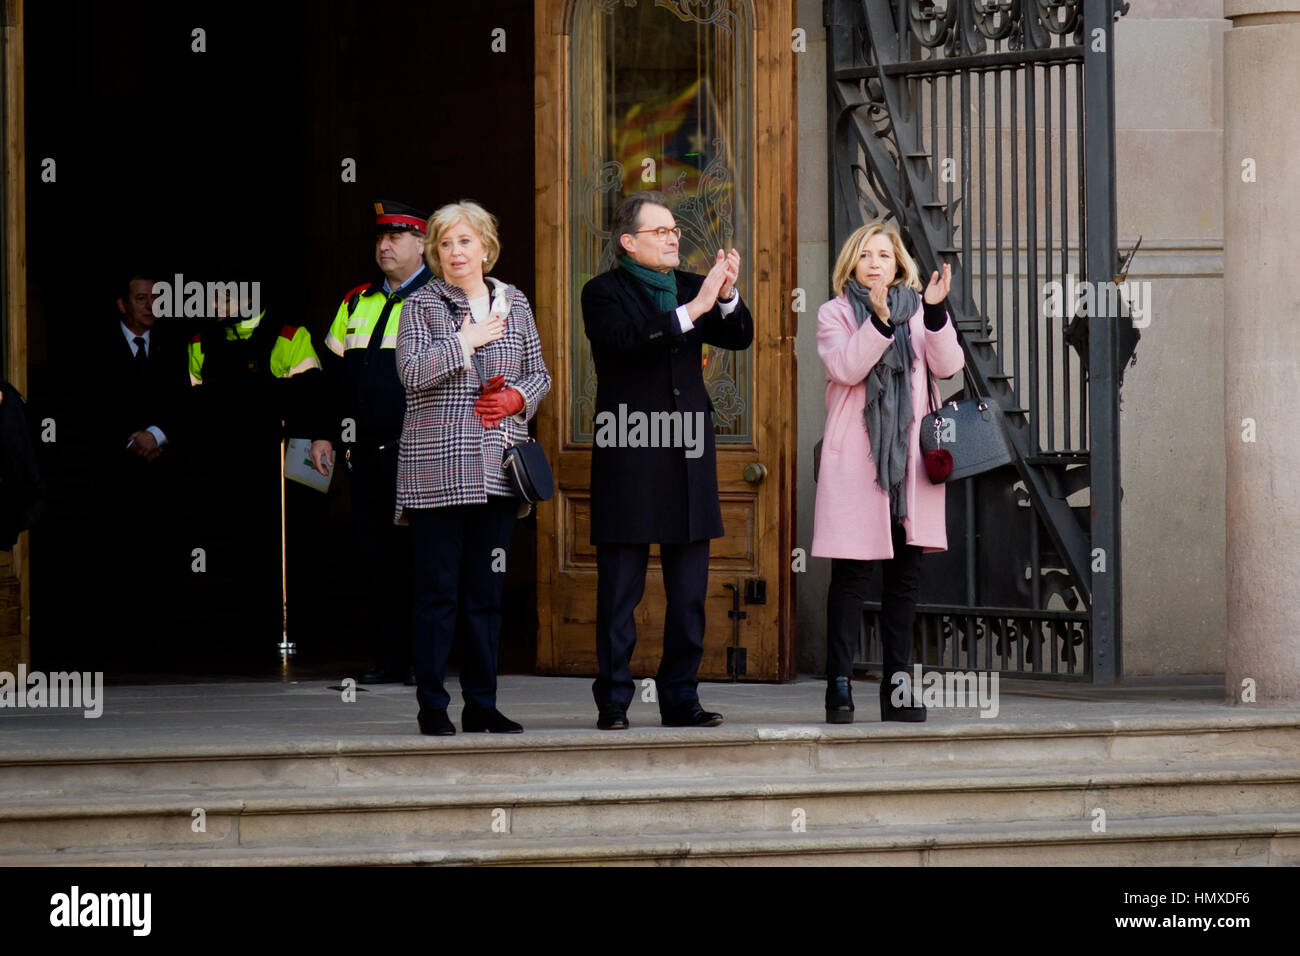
436	723
912	715
839	700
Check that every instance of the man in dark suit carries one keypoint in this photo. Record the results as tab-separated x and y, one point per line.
143	377
647	322
135	415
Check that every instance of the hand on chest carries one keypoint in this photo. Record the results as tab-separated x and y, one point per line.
501	357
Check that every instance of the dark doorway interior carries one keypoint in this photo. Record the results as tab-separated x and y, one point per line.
223	165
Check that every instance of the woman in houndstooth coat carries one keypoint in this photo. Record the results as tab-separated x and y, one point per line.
470	359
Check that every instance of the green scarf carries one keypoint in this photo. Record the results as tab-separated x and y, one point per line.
662	287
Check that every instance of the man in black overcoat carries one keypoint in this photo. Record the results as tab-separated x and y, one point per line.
653	469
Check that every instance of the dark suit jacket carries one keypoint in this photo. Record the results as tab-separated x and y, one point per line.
123	402
645	362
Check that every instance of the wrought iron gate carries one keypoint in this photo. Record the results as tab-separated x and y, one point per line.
984	129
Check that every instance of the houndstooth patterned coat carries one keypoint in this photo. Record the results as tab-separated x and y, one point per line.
447	457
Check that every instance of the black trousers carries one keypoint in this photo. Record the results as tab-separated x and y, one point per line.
620	584
848	590
456	583
385	552
142	561
238	524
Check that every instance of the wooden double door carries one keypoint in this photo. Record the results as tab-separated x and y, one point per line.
695	100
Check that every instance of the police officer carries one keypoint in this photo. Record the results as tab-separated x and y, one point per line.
238	352
250	375
364	408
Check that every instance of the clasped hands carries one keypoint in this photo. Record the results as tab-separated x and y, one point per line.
496	402
143	444
719	284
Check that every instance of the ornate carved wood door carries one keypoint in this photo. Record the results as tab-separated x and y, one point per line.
695	99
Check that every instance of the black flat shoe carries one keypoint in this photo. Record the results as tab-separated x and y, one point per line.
436	724
475	721
692	716
839	700
612	720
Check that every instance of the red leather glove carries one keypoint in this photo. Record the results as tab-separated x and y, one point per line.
497	405
494	384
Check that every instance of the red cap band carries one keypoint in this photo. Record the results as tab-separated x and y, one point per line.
414	223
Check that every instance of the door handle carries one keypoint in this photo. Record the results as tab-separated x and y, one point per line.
755	472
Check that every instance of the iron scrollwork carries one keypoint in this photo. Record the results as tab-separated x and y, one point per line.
867	178
968	27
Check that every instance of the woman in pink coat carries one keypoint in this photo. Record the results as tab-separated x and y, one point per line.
874	500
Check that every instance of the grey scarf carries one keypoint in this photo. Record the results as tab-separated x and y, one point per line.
888	412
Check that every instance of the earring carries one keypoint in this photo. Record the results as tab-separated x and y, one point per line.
485	258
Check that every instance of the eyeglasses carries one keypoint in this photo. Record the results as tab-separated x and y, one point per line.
663	232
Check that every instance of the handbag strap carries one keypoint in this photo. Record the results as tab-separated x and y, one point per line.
971	387
478	367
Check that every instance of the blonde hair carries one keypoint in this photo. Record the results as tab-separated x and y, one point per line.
851	252
482	222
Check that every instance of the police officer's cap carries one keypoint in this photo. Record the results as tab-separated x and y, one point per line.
399	217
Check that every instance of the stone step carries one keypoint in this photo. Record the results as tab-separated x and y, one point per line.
640	754
399	815
1261	839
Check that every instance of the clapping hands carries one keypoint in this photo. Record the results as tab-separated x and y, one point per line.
938	288
719	283
731	272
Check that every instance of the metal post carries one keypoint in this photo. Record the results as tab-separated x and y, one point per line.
1103	356
287	648
839	18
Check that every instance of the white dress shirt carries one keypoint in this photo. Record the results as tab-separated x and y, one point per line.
154	430
725	307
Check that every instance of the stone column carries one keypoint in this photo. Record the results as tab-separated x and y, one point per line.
1261	75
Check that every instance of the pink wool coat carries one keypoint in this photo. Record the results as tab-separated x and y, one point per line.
852	511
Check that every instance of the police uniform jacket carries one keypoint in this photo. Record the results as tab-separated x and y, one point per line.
362	385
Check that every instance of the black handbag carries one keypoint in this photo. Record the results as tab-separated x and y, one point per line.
529	472
969	435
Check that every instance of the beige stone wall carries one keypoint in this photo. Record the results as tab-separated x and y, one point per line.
1261	340
1169	156
814	279
1169	148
